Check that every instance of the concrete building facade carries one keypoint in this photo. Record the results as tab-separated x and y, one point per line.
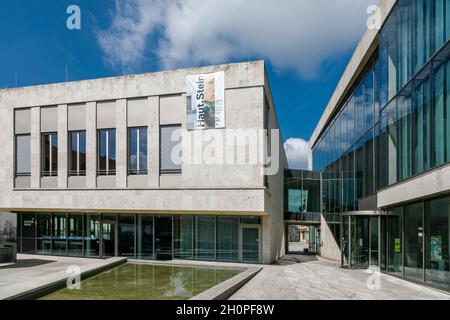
88	168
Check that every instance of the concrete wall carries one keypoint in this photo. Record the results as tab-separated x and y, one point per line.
329	247
213	188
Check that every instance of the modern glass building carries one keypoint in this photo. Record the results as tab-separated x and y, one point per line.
382	147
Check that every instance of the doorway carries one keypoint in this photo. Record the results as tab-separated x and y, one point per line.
302	239
360	241
249	243
109	239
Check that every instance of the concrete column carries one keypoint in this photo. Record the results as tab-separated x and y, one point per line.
153	142
35	147
121	143
62	147
91	145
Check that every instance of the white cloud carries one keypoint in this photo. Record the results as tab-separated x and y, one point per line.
297	153
293	34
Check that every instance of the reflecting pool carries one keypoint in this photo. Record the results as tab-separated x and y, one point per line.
132	281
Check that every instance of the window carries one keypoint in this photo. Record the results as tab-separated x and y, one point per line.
106	150
49	154
77	159
137	151
170	159
23	155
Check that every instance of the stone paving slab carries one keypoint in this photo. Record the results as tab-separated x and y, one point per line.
32	272
325	280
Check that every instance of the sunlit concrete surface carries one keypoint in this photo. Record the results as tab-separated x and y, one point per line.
32	272
309	278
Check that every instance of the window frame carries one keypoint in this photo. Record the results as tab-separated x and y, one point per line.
16	173
161	170
78	172
137	171
107	171
51	172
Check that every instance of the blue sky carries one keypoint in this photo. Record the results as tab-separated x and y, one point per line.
306	44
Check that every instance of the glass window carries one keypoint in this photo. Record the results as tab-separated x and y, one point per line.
126	235
228	238
44	233
75	235
437	242
368	101
77	158
49	154
205	236
414	241
183	237
106	161
368	165
59	244
438	114
404	137
144	237
395	241
23	155
92	235
137	151
170	149
28	232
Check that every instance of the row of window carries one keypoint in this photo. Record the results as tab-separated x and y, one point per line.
170	138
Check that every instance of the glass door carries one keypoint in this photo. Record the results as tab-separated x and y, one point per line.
163	238
250	244
109	238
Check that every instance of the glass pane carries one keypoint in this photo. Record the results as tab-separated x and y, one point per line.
395	242
374	241
143	150
59	234
437	242
82	151
359	242
45	154
112	150
183	237
228	238
250	244
92	236
132	147
75	245
102	151
163	238
73	147
126	236
414	242
144	237
23	154
205	234
44	234
54	139
28	233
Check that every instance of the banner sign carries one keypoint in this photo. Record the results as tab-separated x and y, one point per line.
205	101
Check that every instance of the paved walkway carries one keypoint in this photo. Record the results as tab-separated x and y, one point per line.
307	278
31	272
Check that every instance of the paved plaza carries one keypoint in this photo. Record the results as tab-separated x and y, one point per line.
310	278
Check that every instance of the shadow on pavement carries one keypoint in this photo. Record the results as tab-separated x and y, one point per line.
290	259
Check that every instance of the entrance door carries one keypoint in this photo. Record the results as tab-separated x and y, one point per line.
163	238
109	239
250	243
414	241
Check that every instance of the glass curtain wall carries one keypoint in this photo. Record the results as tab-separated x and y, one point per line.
145	237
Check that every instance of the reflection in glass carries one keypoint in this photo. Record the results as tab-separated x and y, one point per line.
183	237
228	238
44	234
395	242
205	235
59	244
92	235
75	238
414	241
144	238
126	236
